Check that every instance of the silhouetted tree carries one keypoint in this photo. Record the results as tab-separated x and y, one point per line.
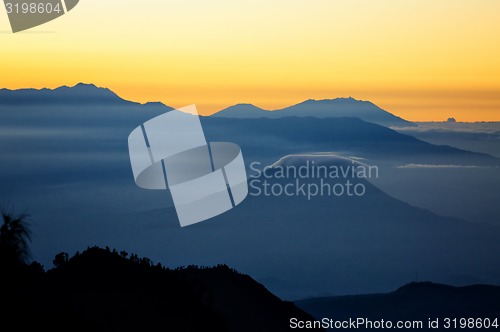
134	258
15	236
124	254
145	261
60	259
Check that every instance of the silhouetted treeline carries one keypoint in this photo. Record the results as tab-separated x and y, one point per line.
106	290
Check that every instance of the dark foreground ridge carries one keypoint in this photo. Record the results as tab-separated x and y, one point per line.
104	290
417	301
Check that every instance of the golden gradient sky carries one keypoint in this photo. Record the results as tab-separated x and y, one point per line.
419	59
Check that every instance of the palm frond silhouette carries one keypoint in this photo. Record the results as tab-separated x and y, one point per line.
15	237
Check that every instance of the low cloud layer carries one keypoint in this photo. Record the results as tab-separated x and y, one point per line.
437	166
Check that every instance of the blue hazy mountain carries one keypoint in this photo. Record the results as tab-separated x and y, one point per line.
299	247
78	95
274	138
68	165
327	108
87	107
414	301
243	111
82	107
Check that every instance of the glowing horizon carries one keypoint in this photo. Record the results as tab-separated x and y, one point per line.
420	60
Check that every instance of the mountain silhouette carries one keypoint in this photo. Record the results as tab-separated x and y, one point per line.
327	108
414	301
103	290
242	111
87	108
78	95
299	247
277	137
70	164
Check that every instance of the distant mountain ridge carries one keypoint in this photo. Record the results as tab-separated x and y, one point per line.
76	159
290	135
417	301
80	94
90	94
241	111
326	108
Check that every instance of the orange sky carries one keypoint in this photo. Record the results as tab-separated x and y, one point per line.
421	60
